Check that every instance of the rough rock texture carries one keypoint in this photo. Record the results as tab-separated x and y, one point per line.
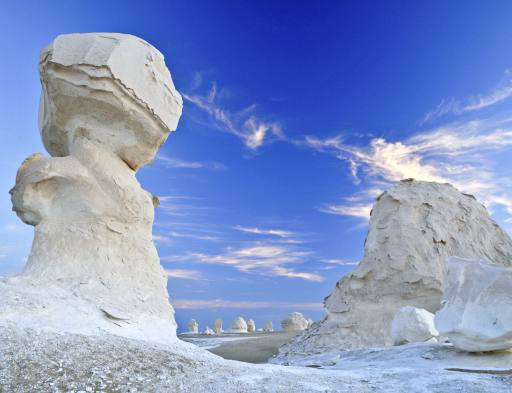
193	327
46	362
239	325
477	306
411	325
217	326
413	228
107	104
268	326
294	321
251	326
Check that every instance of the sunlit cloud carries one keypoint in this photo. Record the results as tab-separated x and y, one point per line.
460	153
266	260
245	124
195	304
184	274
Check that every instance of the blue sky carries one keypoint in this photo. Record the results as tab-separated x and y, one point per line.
295	118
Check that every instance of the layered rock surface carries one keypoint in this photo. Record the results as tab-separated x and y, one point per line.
413	228
477	306
107	104
239	325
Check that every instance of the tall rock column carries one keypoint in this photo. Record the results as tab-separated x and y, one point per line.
107	104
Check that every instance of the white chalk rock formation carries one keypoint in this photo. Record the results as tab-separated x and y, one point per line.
217	326
208	331
251	326
107	104
477	306
193	327
268	326
239	325
411	325
294	321
310	322
413	228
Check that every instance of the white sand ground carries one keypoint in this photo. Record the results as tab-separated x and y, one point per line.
47	362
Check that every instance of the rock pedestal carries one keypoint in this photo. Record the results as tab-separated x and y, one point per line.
107	104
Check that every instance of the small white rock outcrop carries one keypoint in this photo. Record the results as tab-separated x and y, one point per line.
411	325
413	228
239	325
268	326
251	326
476	315
217	326
193	327
107	104
294	321
208	331
310	322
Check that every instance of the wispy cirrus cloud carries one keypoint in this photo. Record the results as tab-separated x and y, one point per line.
198	304
265	259
260	231
245	124
172	162
185	274
460	153
457	107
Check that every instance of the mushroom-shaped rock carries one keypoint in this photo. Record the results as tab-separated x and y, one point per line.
217	326
294	321
111	88
268	326
411	325
193	327
107	104
239	325
208	331
251	326
477	306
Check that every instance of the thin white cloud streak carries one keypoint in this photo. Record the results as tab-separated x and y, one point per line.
244	124
457	153
266	260
457	107
196	304
171	162
258	231
185	274
340	262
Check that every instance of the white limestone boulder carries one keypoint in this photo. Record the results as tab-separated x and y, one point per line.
310	322
476	315
413	228
107	104
251	326
294	321
268	326
411	325
193	327
217	326
239	325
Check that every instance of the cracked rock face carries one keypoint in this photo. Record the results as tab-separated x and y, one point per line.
477	306
413	228
107	104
